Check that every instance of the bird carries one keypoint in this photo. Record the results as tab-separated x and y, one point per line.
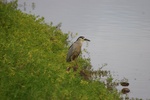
75	49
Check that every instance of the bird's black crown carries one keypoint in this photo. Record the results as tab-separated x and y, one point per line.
82	37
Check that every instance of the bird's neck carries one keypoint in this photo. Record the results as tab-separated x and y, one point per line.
79	43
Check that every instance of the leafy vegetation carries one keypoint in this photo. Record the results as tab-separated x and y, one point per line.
33	64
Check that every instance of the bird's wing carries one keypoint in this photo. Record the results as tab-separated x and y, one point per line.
70	52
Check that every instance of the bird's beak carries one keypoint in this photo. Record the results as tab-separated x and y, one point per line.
86	39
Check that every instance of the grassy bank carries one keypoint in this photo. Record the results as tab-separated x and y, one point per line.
33	64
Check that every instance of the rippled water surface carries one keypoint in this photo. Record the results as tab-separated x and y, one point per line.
119	31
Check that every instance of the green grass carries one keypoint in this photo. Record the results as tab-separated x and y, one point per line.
33	62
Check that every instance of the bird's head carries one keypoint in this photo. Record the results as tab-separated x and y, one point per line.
82	39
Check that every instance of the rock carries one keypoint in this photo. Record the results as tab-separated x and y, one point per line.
125	90
124	83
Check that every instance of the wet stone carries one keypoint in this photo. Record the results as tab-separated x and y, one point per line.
124	83
125	90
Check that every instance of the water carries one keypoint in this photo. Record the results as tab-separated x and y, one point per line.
119	31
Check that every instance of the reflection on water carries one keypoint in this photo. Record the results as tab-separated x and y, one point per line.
119	31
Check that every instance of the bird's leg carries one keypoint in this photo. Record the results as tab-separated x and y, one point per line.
76	66
76	62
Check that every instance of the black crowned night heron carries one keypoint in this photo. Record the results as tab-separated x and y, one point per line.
75	49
